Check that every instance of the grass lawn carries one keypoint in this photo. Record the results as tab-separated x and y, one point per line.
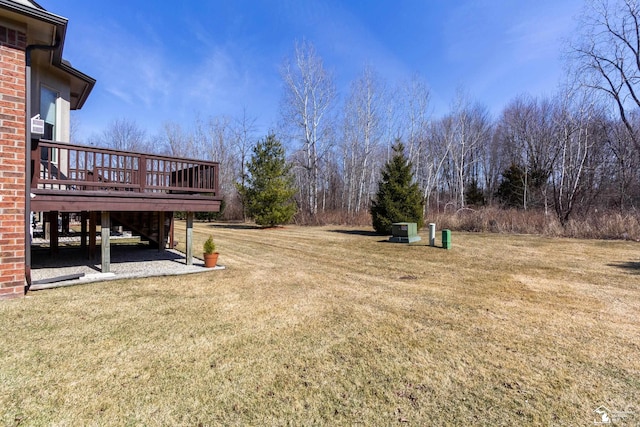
332	325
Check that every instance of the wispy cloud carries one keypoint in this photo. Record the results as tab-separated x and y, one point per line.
537	36
216	77
129	67
155	62
500	50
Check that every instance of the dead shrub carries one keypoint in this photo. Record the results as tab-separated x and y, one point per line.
596	225
334	217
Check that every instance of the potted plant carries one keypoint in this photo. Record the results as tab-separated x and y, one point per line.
210	254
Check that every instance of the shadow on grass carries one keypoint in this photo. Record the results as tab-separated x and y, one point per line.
418	244
357	232
232	226
633	266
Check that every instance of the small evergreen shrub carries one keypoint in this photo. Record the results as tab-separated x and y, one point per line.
399	198
209	247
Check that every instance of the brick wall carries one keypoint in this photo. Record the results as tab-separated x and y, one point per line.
12	162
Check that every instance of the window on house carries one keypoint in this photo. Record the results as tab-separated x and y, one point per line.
48	103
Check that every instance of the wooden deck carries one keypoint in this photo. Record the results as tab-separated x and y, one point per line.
75	178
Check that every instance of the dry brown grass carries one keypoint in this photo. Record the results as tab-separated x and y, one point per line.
595	225
330	325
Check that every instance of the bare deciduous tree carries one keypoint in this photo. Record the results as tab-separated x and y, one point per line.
216	138
177	142
579	138
124	134
624	165
470	129
309	95
526	134
243	130
434	162
608	55
415	117
363	133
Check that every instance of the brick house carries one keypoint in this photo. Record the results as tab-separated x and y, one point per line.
41	172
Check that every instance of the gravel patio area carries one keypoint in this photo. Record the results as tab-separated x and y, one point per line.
71	266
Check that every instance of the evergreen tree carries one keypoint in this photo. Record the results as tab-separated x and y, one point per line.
398	198
473	194
519	187
511	189
269	189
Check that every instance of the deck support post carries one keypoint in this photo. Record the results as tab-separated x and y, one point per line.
105	244
92	234
65	222
161	231
54	240
46	227
83	230
172	240
189	238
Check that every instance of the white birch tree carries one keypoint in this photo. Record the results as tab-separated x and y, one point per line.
363	134
309	95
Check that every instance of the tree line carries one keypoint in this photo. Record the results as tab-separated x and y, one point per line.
567	155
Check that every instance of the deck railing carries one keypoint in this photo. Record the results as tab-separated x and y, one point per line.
68	167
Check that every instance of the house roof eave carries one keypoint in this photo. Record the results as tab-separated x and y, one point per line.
81	84
35	12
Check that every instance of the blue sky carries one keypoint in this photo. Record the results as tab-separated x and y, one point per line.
172	61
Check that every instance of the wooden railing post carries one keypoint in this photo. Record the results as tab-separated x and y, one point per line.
216	178
142	170
35	167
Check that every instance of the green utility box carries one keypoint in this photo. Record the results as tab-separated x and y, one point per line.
404	232
446	239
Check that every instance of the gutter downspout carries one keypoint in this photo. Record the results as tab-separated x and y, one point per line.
27	204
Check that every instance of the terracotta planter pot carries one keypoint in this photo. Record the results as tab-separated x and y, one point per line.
210	260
